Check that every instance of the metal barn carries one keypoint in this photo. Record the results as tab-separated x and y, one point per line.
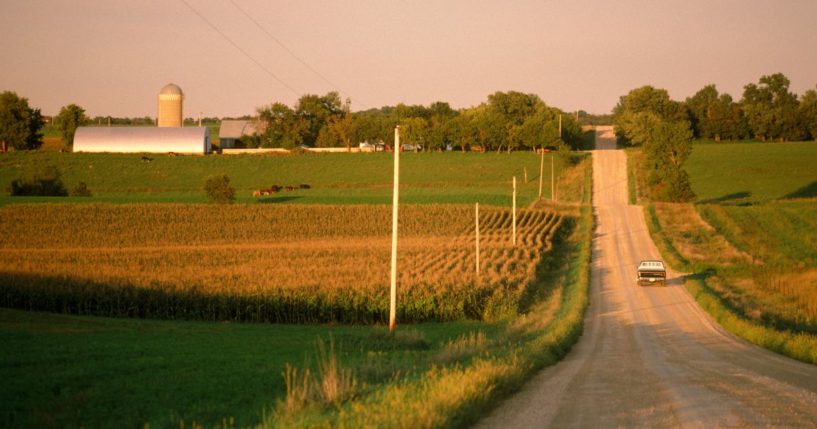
188	140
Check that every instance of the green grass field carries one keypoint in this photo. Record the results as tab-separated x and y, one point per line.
69	371
756	273
334	178
739	173
779	233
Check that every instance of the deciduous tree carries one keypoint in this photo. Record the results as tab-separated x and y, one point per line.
808	112
771	109
67	121
20	125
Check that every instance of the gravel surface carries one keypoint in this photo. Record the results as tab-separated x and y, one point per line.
649	356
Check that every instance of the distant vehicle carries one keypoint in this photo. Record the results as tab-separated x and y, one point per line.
411	147
651	272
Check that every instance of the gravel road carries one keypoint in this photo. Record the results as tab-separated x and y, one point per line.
649	356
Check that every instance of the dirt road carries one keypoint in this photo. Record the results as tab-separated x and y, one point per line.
649	356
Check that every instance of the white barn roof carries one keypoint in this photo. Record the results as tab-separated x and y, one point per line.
142	139
237	128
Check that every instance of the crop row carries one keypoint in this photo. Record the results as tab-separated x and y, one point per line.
291	264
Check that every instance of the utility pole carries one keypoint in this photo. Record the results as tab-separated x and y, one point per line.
552	179
514	211
541	170
395	200
393	294
560	126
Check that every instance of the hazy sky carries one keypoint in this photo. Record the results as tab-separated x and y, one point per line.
112	56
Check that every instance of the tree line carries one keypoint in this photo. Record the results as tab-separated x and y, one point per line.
507	121
665	128
767	111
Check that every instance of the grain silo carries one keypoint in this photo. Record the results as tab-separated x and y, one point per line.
170	106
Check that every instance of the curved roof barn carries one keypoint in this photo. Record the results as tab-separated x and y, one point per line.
190	140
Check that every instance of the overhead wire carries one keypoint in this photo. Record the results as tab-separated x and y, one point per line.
246	54
288	50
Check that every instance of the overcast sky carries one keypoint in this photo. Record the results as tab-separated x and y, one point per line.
113	56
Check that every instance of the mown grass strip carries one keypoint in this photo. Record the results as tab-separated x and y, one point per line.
664	243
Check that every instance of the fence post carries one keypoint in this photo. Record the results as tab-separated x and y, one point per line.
514	211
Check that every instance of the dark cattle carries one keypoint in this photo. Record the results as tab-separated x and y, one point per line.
304	186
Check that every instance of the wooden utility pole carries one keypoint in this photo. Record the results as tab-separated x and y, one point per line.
552	179
541	170
560	126
476	231
514	211
393	295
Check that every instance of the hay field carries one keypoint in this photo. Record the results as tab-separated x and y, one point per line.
295	264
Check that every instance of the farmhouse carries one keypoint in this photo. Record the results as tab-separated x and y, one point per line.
188	140
232	130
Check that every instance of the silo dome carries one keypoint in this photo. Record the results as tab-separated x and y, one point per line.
170	106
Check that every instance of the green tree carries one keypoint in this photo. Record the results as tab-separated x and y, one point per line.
667	151
771	109
462	130
413	131
701	106
281	127
20	125
218	189
67	121
640	106
337	132
315	112
808	112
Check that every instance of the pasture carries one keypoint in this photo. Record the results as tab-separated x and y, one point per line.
741	173
750	240
426	178
70	371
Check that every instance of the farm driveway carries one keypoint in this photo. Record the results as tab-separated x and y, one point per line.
649	356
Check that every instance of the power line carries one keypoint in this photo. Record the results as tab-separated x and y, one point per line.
246	54
289	51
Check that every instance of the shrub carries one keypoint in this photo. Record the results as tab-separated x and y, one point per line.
219	190
45	182
81	190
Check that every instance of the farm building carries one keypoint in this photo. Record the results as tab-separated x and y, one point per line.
189	140
232	131
170	106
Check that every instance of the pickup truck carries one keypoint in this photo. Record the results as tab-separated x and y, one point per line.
651	272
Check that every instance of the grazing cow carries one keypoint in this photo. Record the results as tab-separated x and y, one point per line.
304	186
256	194
146	158
289	188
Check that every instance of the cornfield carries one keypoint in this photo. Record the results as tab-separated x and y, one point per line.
289	264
